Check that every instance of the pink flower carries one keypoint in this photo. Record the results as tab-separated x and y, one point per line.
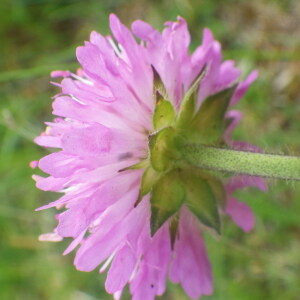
105	117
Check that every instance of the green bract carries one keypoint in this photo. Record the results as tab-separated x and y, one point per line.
200	198
164	114
167	196
168	177
164	149
207	126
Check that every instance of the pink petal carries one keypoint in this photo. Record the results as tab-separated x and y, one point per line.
191	266
50	237
48	141
228	74
105	240
150	279
60	74
145	32
235	116
75	242
124	260
214	58
240	213
59	164
51	183
33	164
242	181
243	87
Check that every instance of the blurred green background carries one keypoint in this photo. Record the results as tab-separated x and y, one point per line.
37	36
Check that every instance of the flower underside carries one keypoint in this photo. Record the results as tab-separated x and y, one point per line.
132	198
169	179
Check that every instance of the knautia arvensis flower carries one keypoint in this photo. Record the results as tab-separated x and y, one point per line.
131	198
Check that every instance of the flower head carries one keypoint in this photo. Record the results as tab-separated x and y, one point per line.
128	200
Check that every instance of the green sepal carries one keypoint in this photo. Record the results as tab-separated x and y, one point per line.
200	199
149	178
188	104
164	149
173	229
140	165
158	86
216	185
164	114
219	191
207	126
167	196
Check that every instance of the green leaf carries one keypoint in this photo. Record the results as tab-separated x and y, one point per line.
164	149
208	124
167	196
149	178
200	199
187	108
164	114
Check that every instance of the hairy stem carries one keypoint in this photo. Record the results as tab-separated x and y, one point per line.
242	162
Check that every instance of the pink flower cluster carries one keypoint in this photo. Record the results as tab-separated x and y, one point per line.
104	119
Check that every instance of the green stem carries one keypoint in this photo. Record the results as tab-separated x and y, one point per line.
242	162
